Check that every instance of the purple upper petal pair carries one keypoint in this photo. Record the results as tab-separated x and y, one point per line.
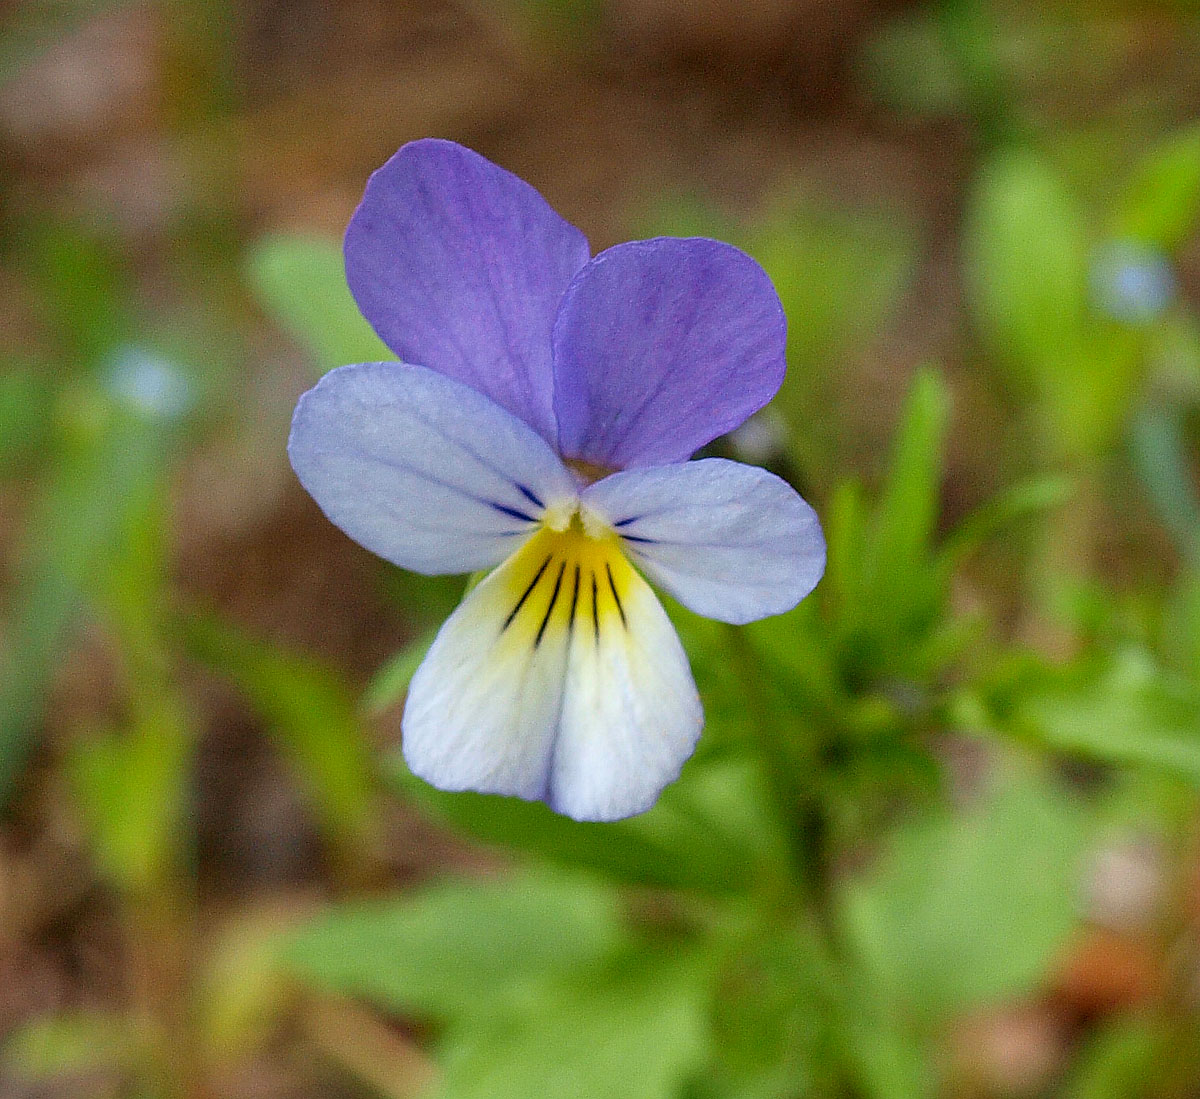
637	357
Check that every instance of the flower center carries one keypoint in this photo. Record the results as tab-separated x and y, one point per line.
571	575
570	518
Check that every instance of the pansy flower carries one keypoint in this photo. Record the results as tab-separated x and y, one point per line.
539	423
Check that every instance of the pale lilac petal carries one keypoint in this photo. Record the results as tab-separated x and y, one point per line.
729	541
421	469
460	267
660	346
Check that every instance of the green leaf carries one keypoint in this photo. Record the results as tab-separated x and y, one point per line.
82	512
311	713
771	1022
845	536
58	1045
695	837
1027	278
966	910
1161	202
459	948
885	1053
132	596
1124	711
1028	498
908	510
301	283
1026	268
635	1036
1123	1059
390	682
901	593
130	789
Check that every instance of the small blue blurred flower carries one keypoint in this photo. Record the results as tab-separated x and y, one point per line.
148	384
1131	282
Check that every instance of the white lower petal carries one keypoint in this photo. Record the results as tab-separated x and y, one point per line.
559	678
631	715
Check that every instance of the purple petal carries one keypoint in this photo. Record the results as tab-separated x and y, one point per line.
460	267
662	345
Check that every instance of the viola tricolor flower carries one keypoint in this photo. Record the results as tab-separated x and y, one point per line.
541	420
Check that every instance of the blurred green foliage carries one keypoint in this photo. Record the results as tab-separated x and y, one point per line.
311	714
300	281
968	910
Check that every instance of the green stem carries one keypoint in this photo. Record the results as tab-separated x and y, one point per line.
807	828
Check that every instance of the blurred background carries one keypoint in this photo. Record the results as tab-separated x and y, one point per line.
942	834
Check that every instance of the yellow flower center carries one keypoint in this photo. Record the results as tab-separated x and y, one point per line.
571	575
